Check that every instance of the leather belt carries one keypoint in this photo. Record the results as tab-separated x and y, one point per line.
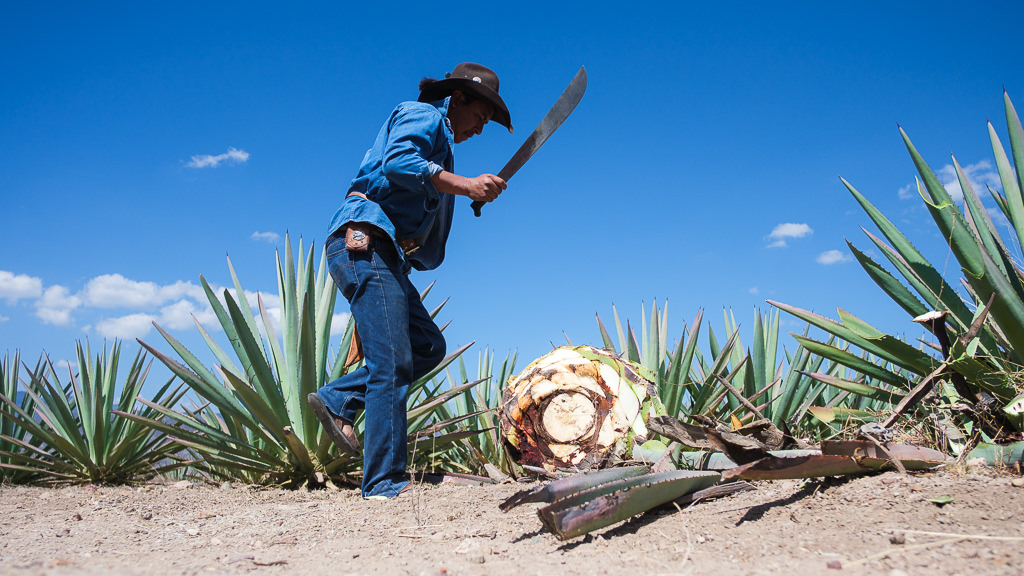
408	245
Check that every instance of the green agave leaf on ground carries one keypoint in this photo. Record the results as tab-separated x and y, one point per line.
619	500
996	455
556	489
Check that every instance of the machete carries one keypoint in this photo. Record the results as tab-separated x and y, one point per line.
564	106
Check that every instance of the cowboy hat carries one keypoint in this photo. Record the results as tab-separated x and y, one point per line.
474	78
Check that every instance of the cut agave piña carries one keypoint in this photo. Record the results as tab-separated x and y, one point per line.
577	408
613	502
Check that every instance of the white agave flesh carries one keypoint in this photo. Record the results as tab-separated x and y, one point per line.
566	383
542	389
627	409
569	380
606	437
564	451
569	416
554	357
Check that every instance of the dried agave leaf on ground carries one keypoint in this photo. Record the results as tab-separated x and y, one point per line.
613	502
838	459
577	407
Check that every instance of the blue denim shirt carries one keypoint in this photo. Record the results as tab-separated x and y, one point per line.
413	145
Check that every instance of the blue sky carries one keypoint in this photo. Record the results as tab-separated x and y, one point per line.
143	143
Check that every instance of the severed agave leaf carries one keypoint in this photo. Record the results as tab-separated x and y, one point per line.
551	491
615	501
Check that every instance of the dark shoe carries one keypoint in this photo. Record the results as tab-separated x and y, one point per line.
347	444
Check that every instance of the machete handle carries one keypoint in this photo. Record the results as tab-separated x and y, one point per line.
477	205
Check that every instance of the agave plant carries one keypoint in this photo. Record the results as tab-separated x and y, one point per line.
253	424
477	408
75	432
13	436
980	331
732	384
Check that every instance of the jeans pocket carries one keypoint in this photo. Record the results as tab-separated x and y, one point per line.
343	271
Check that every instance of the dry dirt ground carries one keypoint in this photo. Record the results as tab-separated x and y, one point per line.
878	525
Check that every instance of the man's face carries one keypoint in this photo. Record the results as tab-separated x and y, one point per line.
468	120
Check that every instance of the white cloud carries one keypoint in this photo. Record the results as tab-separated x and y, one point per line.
830	257
14	287
979	175
754	290
55	306
62	366
178	316
3	318
126	327
338	324
116	291
271	237
788	230
907	192
232	156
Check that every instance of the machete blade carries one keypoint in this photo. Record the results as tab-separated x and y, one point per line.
564	106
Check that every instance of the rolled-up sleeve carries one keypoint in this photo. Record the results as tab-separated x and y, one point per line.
411	140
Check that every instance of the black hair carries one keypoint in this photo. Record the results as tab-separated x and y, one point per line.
468	96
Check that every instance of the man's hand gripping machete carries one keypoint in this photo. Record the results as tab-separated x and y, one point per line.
564	106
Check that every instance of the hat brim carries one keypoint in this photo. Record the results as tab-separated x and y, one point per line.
444	88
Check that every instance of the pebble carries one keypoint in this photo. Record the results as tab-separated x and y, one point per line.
1017	482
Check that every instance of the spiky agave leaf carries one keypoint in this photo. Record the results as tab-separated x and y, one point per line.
577	407
562	487
615	501
15	439
78	430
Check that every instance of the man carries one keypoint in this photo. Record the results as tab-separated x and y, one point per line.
397	216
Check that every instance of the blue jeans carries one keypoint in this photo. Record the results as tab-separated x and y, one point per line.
401	343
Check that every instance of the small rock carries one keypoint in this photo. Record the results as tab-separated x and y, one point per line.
834	565
898	538
146	515
226	486
1017	482
193	531
64	532
181	485
477	559
76	517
